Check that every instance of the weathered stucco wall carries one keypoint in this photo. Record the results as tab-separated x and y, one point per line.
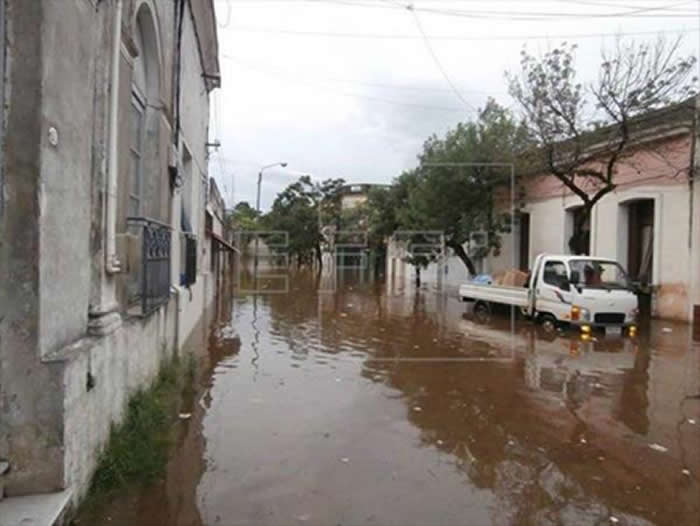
119	364
53	421
68	79
30	417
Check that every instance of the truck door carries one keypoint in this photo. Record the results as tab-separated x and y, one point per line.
552	289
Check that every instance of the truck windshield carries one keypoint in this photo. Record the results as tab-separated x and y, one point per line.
599	274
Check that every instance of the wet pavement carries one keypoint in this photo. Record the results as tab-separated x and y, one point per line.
373	406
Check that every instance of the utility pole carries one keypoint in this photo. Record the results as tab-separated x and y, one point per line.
257	209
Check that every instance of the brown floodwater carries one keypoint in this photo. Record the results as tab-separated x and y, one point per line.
369	405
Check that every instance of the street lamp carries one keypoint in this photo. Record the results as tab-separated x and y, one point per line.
260	174
257	209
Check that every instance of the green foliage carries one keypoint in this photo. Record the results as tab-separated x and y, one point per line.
456	200
296	211
244	217
137	450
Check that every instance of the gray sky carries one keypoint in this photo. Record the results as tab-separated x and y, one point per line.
351	88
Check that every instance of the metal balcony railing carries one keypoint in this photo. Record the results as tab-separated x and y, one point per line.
151	277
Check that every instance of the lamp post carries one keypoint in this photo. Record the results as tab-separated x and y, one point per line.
257	209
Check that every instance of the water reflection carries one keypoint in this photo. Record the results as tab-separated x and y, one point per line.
366	405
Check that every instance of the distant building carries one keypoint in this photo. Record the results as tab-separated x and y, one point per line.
354	195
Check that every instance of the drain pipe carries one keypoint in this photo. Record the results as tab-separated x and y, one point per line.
112	264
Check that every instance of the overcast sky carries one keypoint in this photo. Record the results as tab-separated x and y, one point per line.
351	88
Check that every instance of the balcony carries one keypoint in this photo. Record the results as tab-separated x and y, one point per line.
148	281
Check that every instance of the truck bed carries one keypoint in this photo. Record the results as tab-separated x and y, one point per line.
516	296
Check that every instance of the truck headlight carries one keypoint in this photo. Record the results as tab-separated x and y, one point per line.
580	313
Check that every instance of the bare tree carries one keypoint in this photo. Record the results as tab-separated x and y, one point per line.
583	132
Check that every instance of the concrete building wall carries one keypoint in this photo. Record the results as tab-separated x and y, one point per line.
118	365
29	418
65	170
62	385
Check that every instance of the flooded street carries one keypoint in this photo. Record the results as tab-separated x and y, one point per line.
389	407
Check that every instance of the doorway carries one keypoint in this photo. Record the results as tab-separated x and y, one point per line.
524	244
640	250
578	243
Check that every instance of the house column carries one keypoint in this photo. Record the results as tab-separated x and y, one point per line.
695	222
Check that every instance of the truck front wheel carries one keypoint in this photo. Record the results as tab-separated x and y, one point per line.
548	322
482	311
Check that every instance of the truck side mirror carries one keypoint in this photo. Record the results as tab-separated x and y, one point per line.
575	277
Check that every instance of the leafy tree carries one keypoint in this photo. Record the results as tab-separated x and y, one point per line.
440	195
582	132
244	217
296	211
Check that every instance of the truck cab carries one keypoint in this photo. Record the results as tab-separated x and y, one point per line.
581	290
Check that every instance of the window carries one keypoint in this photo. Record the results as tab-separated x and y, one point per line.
554	273
599	274
136	157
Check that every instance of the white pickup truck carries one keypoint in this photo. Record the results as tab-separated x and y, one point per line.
562	289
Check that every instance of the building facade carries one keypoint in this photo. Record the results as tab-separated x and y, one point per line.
103	195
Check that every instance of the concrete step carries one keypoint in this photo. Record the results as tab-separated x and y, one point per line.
35	510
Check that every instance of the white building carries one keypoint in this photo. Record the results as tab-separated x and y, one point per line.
650	223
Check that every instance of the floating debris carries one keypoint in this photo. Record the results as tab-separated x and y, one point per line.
345	460
304	517
343	314
692	421
686	472
667	329
417	409
440	442
185	416
583	441
614	519
658	447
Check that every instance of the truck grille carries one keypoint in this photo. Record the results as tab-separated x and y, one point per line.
609	317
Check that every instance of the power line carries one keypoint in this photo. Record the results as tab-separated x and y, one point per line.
642	12
294	78
294	32
435	58
666	11
381	85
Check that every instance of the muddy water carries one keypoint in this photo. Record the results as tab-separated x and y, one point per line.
392	407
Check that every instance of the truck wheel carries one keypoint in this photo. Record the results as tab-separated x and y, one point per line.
547	322
482	311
